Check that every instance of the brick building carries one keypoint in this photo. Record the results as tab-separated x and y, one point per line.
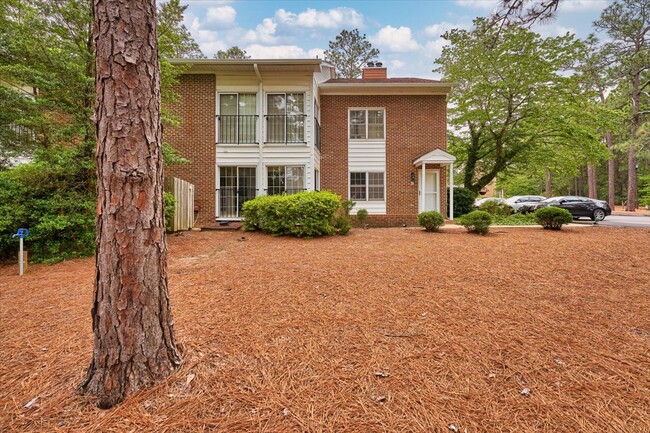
253	127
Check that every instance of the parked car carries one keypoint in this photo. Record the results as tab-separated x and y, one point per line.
597	210
517	202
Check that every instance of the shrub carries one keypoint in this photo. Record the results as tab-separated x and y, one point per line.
463	201
431	220
517	219
553	217
170	208
305	214
53	197
477	221
342	224
496	208
362	216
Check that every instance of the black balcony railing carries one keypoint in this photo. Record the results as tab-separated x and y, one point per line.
237	129
285	129
316	134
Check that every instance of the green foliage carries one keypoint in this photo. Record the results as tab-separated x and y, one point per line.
362	216
515	100
342	224
431	220
305	214
518	219
170	207
174	39
496	208
53	199
349	53
232	53
521	183
477	221
463	201
553	217
644	190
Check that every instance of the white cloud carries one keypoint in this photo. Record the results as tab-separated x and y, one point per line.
395	39
434	48
552	30
436	30
257	51
316	52
264	32
487	5
222	15
397	64
582	5
330	19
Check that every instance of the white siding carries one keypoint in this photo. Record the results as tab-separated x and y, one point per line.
368	156
238	154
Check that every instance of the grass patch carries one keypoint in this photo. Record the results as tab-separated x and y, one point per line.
517	219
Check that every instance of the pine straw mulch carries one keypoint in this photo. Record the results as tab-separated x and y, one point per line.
392	330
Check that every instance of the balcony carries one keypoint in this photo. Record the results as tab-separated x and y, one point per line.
282	129
237	129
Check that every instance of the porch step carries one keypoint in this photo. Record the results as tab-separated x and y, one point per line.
223	226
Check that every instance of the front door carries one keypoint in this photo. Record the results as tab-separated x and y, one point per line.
431	191
236	186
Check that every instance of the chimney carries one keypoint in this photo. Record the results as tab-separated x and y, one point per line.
374	70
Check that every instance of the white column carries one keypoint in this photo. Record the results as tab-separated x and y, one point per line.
422	189
451	191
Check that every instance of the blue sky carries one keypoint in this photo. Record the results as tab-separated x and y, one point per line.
407	33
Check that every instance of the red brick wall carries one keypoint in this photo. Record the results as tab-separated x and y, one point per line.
415	125
194	138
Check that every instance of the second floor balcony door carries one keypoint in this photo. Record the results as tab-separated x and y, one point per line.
285	119
237	118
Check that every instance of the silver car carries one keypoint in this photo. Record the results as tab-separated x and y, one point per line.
523	203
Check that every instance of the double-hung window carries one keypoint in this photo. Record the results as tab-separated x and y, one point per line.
285	179
366	186
285	119
366	124
237	118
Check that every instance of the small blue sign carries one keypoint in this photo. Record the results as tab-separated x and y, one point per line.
21	233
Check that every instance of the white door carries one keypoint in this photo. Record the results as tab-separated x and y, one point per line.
431	191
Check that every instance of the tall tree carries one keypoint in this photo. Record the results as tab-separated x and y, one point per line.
627	22
349	53
525	12
174	39
232	53
134	344
513	100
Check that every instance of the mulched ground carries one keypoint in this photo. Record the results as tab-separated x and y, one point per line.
384	330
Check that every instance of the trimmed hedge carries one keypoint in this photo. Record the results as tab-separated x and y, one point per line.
431	220
305	214
477	221
553	217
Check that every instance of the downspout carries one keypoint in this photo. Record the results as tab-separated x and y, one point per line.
260	129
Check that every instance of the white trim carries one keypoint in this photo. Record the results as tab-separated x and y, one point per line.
436	156
217	207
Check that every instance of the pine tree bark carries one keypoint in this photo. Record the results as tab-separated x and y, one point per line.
134	343
548	190
611	171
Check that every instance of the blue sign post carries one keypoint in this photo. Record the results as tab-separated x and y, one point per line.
21	234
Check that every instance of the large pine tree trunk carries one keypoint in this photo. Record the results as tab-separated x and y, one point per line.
611	172
631	153
134	335
548	190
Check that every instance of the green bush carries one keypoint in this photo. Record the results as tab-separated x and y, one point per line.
517	219
362	216
644	190
477	221
170	207
342	224
463	201
54	198
305	214
431	220
496	208
553	217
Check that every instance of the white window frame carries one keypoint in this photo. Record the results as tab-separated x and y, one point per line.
366	109
304	114
367	185
219	95
304	176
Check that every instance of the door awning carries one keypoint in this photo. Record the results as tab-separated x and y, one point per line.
436	156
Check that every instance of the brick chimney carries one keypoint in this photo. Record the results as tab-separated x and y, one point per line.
374	70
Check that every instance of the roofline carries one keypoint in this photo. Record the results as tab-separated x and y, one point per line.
216	62
436	88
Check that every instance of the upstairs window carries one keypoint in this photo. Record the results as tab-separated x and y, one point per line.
237	118
285	119
366	124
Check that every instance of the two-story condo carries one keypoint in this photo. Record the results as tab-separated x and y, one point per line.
254	127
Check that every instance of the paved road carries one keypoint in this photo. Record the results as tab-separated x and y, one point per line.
625	221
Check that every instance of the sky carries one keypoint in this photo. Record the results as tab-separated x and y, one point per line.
407	33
